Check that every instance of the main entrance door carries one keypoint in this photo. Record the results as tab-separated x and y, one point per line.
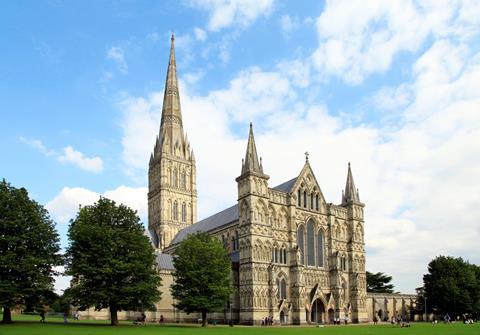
318	312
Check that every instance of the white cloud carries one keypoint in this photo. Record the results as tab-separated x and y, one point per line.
200	34
75	157
237	13
361	38
69	155
116	54
288	24
64	206
38	145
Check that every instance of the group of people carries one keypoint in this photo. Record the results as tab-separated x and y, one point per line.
400	321
338	321
268	321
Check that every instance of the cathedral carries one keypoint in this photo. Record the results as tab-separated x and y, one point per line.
296	258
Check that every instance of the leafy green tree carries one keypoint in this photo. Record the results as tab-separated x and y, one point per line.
379	283
202	275
111	260
29	248
452	286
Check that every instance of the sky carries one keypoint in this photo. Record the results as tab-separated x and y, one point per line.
390	86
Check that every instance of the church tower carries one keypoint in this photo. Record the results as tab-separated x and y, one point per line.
172	191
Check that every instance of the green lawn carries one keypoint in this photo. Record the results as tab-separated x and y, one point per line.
28	325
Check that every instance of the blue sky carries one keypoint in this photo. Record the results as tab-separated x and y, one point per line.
390	86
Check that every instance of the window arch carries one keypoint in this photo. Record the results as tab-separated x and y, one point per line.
299	198
305	199
316	202
184	212
311	200
320	248
301	243
310	243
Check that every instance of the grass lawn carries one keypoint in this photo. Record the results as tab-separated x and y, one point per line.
29	325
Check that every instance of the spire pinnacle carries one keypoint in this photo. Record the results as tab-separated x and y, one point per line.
251	162
351	193
171	125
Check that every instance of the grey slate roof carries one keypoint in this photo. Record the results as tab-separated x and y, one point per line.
286	186
212	222
165	261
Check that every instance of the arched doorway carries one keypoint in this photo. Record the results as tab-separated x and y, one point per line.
318	312
331	315
283	317
380	315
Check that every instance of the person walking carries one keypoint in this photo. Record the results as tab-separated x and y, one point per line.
42	316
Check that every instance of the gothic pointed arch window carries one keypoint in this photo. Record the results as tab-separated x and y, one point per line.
284	251
310	243
175	210
299	198
316	202
183	180
305	199
184	212
311	201
320	248
301	243
282	288
175	178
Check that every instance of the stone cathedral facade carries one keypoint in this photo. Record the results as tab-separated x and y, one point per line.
295	257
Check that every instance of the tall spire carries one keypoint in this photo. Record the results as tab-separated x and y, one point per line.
171	111
172	138
251	162
351	193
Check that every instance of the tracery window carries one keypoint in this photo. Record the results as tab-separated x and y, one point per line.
310	243
301	243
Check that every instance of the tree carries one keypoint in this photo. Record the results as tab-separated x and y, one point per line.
202	275
111	260
379	283
29	249
452	286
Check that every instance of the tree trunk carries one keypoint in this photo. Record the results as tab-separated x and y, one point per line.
113	316
7	315
204	318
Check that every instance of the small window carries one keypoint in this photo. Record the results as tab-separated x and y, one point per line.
175	211
284	256
316	202
311	201
183	180
305	199
175	178
299	198
184	212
